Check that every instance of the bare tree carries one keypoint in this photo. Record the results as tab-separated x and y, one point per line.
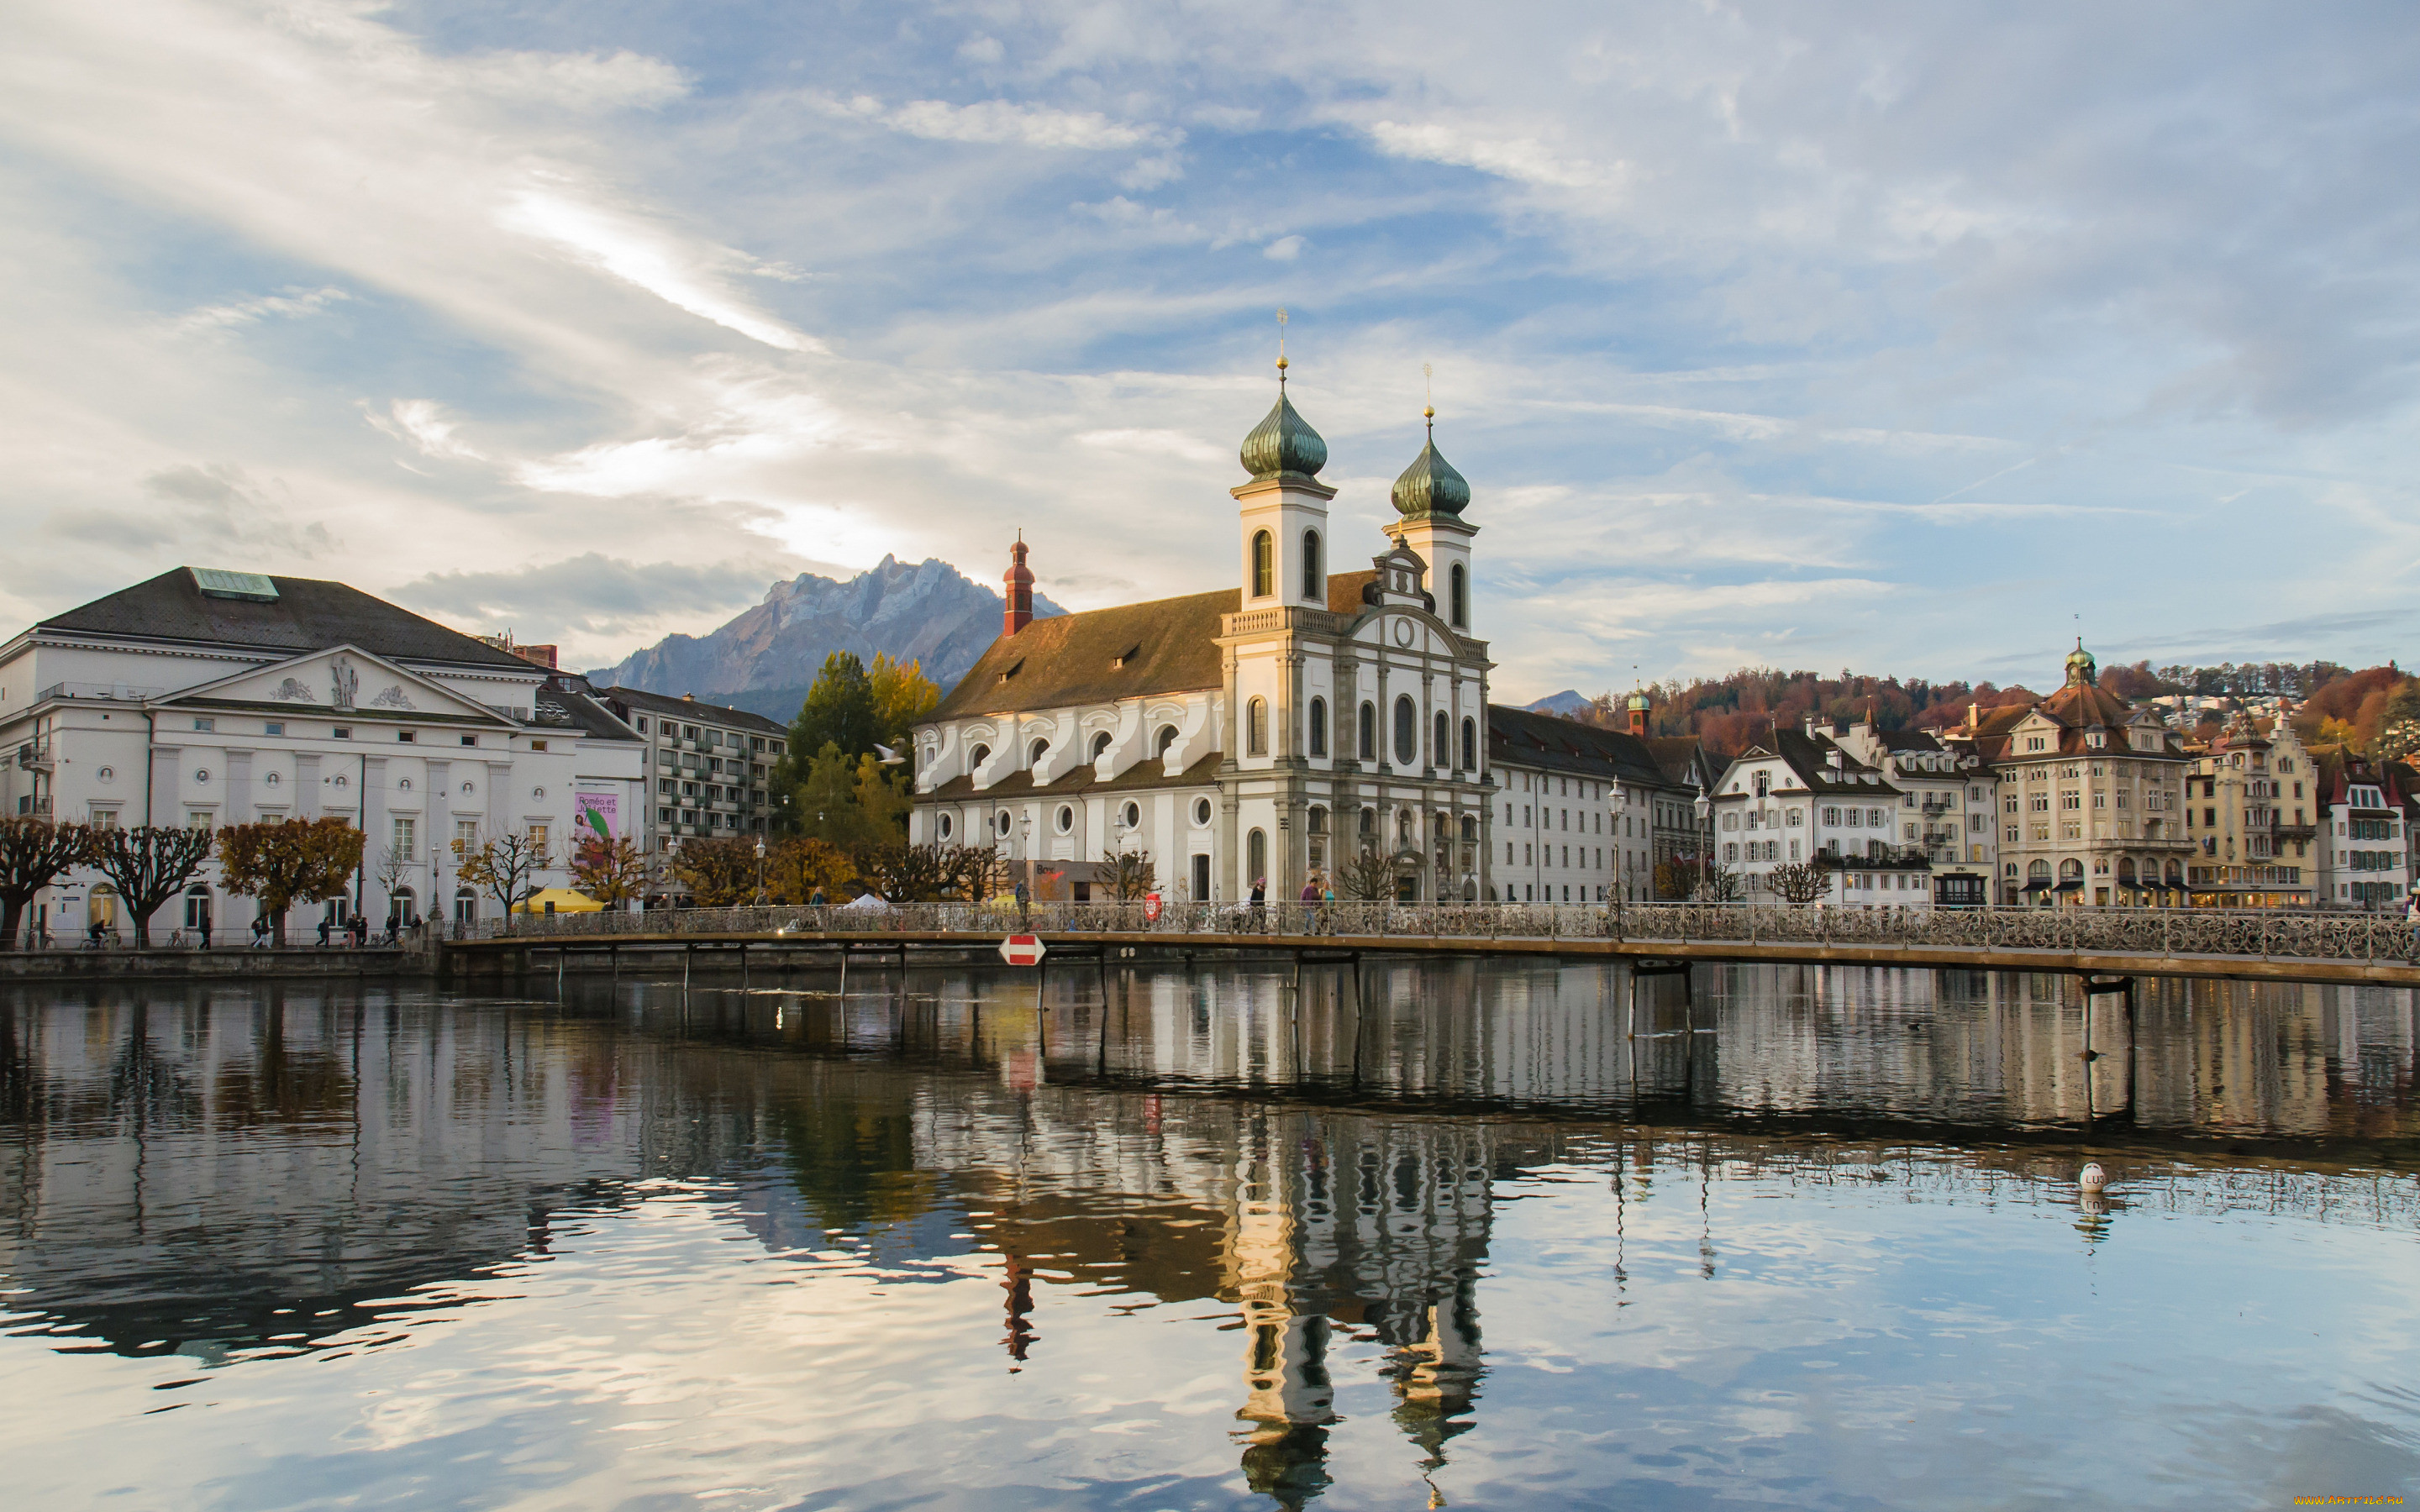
1718	884
1799	882
506	868
149	865
1368	877
396	871
33	852
1128	875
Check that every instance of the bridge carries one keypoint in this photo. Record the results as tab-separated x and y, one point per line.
2250	945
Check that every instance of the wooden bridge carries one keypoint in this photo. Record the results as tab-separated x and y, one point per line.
2247	944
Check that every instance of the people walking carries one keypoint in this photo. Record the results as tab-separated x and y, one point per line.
1310	902
327	922
204	925
1259	902
1024	902
259	931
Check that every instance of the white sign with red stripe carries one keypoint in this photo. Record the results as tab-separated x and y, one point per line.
1022	951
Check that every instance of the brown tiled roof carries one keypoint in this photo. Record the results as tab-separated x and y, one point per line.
1810	760
1142	776
1170	645
1523	738
1675	755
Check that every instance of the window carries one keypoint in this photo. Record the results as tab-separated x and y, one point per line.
1256	855
1264	565
1065	819
1459	597
537	841
1441	748
1470	745
1369	745
1202	811
1132	815
342	732
535	745
1318	725
1100	745
206	724
1315	585
470	740
407	840
1167	738
1407	730
976	758
1000	822
103	818
466	836
943	827
1256	727
274	727
1034	752
408	736
643	724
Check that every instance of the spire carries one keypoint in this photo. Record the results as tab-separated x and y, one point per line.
1283	443
1017	583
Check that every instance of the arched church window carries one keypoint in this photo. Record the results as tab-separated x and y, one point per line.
1265	566
1369	731
1441	750
1034	757
1319	726
1470	745
1100	744
1167	738
1461	599
1407	730
1369	823
977	757
1314	584
1256	728
1256	857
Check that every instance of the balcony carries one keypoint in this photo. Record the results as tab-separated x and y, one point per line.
36	757
113	692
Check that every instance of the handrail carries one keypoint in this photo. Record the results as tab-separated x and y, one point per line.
2250	933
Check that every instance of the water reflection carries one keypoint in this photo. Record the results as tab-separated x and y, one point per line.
1314	1162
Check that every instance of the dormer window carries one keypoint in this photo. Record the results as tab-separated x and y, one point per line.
1129	653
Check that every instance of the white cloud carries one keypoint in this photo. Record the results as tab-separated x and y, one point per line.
646	258
423	423
1523	159
291	304
1002	121
1283	250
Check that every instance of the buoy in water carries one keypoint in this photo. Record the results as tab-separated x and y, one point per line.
2092	1177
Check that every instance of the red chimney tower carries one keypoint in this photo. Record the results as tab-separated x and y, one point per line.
1019	583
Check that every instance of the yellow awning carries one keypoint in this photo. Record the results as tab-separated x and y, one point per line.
565	901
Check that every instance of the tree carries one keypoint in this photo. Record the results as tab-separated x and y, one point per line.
798	868
839	710
147	866
1718	884
506	868
609	871
1368	877
33	852
1675	879
1128	875
823	805
883	801
2398	724
720	871
903	698
974	872
396	871
1799	882
285	861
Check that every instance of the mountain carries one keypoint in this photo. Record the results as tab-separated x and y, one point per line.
1567	703
765	660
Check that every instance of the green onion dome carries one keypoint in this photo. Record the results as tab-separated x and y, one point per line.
1284	443
1431	486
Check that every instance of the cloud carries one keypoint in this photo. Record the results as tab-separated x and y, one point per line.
424	425
293	303
592	593
1002	121
1283	250
1520	159
646	258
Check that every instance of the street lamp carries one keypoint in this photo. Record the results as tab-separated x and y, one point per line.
1705	807
760	871
1025	835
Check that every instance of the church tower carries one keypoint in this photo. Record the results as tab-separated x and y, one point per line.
1284	523
1429	499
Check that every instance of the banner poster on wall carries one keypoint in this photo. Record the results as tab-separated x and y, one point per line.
600	814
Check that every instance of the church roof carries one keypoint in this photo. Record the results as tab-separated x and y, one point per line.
1083	779
1431	486
1168	646
1283	444
306	614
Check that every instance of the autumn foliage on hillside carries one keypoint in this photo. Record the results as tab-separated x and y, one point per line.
1728	713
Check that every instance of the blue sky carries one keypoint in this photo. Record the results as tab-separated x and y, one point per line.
1871	336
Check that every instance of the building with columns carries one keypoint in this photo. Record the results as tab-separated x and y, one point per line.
1268	730
205	697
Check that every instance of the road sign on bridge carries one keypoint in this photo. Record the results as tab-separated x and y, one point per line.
1022	950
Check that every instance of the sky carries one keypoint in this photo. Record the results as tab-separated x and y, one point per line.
1912	339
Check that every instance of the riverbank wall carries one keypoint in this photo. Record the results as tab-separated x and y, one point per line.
227	963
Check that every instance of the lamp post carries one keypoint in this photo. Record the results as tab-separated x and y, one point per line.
760	871
1025	836
1705	807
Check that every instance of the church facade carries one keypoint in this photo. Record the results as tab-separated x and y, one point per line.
1271	730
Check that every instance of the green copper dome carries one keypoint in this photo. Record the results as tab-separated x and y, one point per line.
1283	443
1431	486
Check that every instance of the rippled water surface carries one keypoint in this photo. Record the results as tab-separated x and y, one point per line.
1447	1234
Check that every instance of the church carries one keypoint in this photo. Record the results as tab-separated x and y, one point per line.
1270	731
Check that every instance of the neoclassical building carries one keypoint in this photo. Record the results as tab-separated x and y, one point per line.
1269	730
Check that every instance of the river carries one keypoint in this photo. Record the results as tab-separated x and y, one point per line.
1430	1234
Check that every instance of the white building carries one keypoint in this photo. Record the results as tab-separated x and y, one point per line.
1579	805
1949	805
2365	843
711	767
1270	730
205	697
1795	797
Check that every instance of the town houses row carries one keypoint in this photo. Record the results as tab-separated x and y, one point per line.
1302	729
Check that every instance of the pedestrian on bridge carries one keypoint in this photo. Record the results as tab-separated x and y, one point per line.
1259	902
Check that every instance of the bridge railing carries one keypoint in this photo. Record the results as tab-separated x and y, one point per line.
2204	931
